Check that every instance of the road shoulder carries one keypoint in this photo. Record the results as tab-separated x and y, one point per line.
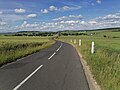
91	81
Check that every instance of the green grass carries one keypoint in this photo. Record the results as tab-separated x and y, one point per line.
105	62
14	47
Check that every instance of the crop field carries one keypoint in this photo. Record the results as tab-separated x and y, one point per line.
105	62
15	47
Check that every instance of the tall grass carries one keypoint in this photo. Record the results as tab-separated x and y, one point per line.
105	62
12	48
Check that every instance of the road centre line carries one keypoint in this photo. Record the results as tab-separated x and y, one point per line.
55	52
51	55
19	85
59	47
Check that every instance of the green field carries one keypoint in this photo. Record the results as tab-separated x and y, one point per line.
105	62
15	47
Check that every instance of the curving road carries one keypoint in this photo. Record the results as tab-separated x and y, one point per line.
55	68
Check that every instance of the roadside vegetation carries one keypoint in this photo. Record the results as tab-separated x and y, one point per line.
105	62
15	47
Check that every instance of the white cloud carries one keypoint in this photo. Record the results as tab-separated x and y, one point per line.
53	8
65	8
110	16
24	23
32	15
27	26
108	21
69	22
76	16
20	10
83	22
1	12
8	21
92	22
99	1
2	23
70	17
72	22
44	11
60	18
12	17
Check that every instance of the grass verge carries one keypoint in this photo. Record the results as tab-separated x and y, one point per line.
105	62
13	48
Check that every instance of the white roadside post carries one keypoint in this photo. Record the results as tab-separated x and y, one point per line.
80	42
74	41
71	40
93	47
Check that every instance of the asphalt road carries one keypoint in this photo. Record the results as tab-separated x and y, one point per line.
55	68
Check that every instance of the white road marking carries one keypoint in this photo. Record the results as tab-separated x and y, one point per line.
51	56
19	85
59	47
55	52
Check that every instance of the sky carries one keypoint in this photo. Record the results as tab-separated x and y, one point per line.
56	15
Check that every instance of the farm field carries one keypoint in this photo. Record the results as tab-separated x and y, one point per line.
15	47
105	62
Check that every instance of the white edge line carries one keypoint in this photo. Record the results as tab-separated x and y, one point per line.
19	85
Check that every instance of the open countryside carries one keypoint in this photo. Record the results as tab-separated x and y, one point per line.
59	45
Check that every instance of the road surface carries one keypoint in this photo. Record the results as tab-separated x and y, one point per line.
55	68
